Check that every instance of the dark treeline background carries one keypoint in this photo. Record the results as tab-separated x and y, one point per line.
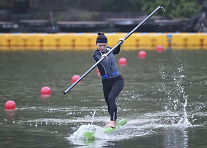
80	10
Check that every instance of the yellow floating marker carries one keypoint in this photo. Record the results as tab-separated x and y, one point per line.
191	41
203	40
177	41
158	39
4	44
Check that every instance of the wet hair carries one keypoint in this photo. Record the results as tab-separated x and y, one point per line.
101	38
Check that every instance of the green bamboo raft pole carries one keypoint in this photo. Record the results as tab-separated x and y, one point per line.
89	135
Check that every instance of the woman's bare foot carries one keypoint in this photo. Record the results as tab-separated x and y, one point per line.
111	124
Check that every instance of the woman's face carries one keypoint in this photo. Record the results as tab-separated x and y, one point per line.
101	47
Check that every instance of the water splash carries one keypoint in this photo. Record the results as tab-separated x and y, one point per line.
100	136
97	130
165	26
173	76
163	9
184	119
93	117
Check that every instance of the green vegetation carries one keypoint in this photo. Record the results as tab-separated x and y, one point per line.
174	8
90	9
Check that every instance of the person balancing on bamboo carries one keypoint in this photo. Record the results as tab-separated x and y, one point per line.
112	81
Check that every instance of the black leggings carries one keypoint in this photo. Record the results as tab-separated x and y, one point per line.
112	88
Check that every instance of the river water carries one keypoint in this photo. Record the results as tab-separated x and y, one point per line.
164	100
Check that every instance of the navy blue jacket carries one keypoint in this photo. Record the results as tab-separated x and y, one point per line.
108	68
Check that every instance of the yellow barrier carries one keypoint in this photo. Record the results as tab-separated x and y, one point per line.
66	41
131	42
113	38
143	41
192	41
14	41
177	41
4	44
84	41
159	39
87	41
34	41
203	40
186	41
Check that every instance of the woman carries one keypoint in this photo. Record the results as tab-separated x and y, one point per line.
112	81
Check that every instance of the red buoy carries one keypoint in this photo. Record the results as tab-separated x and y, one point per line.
45	90
97	71
10	105
159	48
122	61
142	54
75	78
